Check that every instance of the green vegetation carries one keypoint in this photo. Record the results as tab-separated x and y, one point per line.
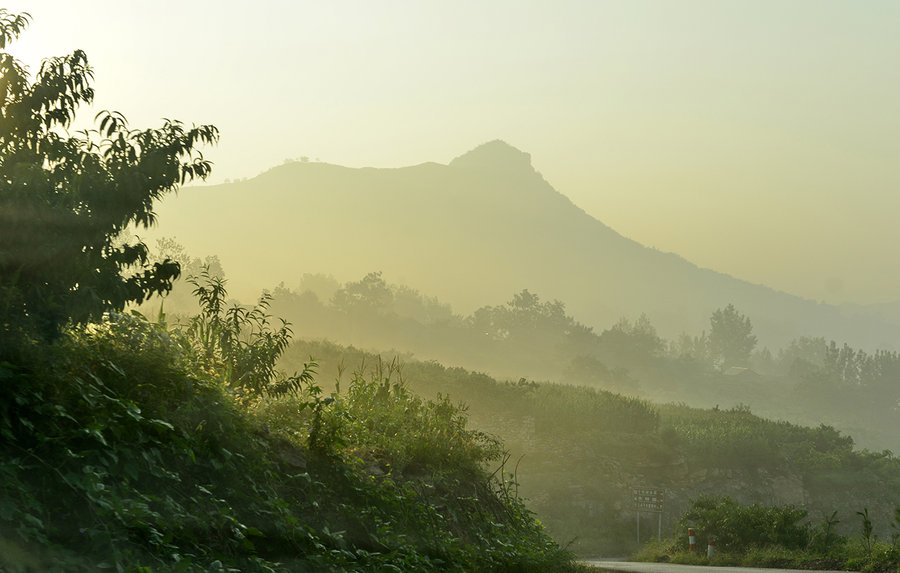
731	339
182	444
737	528
579	451
125	446
147	446
772	536
809	381
581	446
64	199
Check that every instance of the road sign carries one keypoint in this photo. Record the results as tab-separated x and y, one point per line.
648	499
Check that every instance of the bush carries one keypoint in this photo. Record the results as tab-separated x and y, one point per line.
882	558
738	528
383	418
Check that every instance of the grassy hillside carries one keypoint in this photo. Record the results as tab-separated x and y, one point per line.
577	452
133	446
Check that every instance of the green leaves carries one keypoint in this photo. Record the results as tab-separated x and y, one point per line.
65	198
735	527
11	25
110	123
241	343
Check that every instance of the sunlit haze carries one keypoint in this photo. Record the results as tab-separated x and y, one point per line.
756	138
450	285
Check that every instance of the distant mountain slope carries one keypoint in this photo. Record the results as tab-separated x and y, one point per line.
472	233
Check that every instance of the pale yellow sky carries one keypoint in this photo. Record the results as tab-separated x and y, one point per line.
757	138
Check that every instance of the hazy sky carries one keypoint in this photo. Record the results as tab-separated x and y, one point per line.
758	138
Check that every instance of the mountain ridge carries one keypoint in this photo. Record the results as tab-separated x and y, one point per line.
472	233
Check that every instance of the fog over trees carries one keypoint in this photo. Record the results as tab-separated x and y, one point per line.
440	367
471	233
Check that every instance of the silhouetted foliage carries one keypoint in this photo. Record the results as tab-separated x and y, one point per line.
731	338
530	323
64	198
630	343
370	294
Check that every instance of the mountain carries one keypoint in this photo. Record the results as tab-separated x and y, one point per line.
472	233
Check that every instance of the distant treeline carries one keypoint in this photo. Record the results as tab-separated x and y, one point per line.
811	380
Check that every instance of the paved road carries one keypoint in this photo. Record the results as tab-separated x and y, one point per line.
630	567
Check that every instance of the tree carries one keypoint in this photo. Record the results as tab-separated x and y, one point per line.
65	198
632	344
731	338
526	319
369	294
803	356
692	349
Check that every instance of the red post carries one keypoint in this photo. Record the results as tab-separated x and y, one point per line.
692	539
710	549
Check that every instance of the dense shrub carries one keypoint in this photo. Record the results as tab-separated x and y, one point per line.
738	528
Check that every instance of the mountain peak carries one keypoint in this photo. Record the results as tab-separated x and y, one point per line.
494	155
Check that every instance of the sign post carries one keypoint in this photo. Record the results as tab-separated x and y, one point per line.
649	500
